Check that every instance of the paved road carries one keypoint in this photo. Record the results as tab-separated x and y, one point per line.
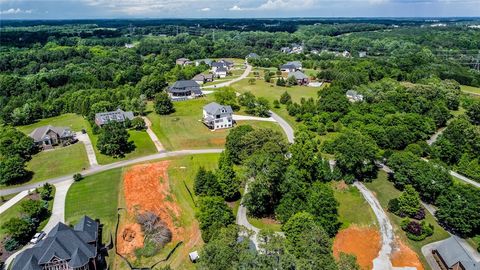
85	139
435	136
465	179
114	165
285	126
152	135
243	221
228	83
13	201
382	261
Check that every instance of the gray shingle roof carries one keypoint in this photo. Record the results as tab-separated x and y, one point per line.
218	64
221	69
62	242
299	75
117	116
287	66
39	134
185	86
452	252
215	108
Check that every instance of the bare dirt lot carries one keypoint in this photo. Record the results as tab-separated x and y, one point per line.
402	256
361	242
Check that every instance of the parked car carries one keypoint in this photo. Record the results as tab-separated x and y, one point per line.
37	237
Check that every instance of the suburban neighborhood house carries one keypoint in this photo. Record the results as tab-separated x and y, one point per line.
353	96
216	116
115	116
301	78
221	64
207	62
291	66
203	78
251	56
46	137
77	248
183	61
221	72
185	89
451	255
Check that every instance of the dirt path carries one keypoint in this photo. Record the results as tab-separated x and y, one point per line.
152	135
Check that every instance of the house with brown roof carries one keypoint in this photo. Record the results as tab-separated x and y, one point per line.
46	137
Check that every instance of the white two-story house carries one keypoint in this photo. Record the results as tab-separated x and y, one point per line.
216	116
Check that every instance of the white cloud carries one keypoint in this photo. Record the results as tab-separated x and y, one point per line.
286	5
205	9
15	11
235	8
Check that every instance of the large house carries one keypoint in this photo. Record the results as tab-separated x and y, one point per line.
115	116
221	72
185	89
203	78
221	64
291	66
183	61
354	96
216	116
46	137
450	255
65	248
301	78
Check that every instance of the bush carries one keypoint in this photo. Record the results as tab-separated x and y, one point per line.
77	177
46	192
417	231
11	244
163	105
276	104
138	123
149	249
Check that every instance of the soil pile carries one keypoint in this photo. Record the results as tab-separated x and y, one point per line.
403	256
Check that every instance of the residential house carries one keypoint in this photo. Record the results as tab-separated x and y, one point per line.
129	45
346	54
293	49
216	65
46	137
203	78
183	61
114	116
251	56
301	78
207	62
451	255
228	64
362	54
221	72
66	248
216	116
291	66
185	89
353	96
285	49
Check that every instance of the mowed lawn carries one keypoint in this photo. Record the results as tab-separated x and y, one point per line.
183	129
385	191
353	208
58	162
73	121
470	89
97	197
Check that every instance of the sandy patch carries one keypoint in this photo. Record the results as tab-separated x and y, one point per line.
340	185
403	256
362	242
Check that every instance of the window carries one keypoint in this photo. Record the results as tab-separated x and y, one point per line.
217	116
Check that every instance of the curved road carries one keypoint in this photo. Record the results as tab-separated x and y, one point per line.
227	83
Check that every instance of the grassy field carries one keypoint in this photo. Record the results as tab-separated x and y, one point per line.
143	146
74	121
6	198
353	209
58	162
184	130
470	89
265	224
385	191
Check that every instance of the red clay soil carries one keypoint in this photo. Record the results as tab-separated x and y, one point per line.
146	188
130	238
364	243
403	256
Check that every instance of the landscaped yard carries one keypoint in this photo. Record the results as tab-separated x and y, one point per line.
265	224
353	209
184	130
74	121
385	191
470	89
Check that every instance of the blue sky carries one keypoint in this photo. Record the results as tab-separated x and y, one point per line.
90	9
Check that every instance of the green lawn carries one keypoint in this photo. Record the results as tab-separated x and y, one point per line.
97	197
470	89
6	198
143	146
58	162
184	130
385	191
265	224
353	209
74	121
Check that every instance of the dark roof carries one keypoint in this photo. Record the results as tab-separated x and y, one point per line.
452	252
299	75
288	66
39	134
185	86
118	116
221	69
218	64
73	245
215	108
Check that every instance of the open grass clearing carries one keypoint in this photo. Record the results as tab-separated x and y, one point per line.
73	121
385	191
184	130
470	89
6	198
265	224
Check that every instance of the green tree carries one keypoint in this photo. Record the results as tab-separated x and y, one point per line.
285	98
19	229
281	81
227	96
226	177
249	101
206	184
263	107
321	203
114	140
234	142
213	214
408	204
267	76
12	169
138	123
34	209
291	81
347	262
473	112
163	104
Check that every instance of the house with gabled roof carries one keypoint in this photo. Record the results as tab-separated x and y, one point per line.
184	89
451	255
354	96
183	61
203	78
301	78
77	248
251	55
119	116
291	66
216	116
46	137
221	72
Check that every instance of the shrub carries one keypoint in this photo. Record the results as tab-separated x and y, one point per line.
417	231
138	123
11	244
276	104
46	192
77	177
149	249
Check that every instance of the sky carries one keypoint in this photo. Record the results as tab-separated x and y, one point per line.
106	9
